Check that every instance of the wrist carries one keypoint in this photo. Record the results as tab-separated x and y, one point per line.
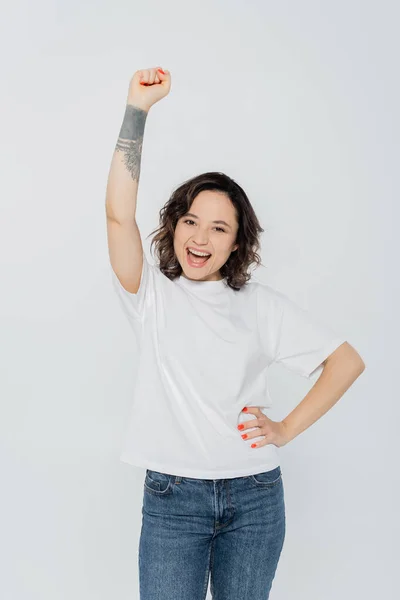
287	433
139	105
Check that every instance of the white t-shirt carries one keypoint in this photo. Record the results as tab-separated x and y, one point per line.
204	350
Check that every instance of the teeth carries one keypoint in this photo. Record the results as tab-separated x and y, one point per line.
199	253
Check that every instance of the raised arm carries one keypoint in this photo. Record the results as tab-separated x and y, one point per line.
124	240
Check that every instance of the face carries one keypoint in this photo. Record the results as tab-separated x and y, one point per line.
198	230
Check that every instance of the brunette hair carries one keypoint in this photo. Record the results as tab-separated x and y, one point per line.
235	270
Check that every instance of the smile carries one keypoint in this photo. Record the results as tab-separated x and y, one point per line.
195	258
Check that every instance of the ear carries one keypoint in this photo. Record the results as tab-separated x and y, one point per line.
235	247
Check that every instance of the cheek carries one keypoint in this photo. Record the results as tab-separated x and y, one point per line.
178	238
224	247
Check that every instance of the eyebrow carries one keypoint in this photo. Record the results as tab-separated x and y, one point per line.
196	217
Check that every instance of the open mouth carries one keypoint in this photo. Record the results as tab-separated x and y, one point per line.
196	260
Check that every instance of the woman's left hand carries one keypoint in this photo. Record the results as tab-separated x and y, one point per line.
274	431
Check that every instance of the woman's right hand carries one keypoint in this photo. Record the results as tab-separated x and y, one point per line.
148	86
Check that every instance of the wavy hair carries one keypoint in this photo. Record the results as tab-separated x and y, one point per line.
235	270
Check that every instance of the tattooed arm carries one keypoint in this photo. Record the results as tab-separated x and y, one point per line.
124	241
123	179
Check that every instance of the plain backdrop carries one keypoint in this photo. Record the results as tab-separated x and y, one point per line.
298	102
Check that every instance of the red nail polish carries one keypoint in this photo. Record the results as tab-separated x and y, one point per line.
253	445
245	408
240	426
161	71
244	435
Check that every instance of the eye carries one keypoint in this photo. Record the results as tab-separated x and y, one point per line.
191	221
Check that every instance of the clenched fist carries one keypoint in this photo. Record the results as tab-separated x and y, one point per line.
148	86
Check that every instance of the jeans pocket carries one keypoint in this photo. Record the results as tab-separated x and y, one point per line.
267	478
157	483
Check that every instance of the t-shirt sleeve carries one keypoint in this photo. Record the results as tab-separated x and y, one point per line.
293	336
136	305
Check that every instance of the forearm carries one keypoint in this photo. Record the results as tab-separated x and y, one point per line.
123	178
339	373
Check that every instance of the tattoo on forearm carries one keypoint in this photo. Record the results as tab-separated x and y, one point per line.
130	138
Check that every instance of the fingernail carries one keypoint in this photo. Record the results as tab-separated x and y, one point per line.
240	426
244	435
253	445
244	409
161	71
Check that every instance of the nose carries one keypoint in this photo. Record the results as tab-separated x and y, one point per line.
201	238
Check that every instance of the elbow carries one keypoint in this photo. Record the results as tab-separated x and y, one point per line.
358	364
355	359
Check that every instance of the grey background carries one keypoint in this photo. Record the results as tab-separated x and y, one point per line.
298	101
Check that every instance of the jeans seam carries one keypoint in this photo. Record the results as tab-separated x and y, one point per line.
212	567
168	489
207	573
266	483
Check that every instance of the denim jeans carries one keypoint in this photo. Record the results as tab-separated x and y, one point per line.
228	530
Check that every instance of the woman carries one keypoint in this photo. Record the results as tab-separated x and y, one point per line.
213	501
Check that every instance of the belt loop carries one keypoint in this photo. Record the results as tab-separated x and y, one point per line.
178	478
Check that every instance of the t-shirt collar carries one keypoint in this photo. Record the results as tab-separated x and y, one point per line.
202	285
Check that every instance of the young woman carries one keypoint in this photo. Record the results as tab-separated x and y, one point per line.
213	498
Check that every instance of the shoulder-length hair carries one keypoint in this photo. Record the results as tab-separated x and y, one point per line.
235	270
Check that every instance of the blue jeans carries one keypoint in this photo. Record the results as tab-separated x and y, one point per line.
231	530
